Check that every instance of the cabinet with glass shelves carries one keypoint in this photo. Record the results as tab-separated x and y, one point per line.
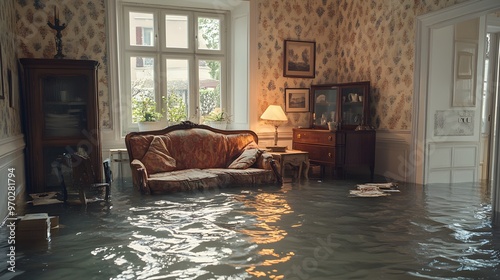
349	142
60	117
345	104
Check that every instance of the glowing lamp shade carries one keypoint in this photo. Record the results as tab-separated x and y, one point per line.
275	115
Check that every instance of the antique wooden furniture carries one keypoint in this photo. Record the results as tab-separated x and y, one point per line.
351	142
189	156
294	158
60	116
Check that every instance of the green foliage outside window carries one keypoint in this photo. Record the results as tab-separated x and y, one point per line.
144	108
209	100
175	107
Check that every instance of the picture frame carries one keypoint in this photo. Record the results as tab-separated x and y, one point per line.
299	59
464	65
464	81
297	100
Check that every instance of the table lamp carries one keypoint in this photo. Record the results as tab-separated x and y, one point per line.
275	115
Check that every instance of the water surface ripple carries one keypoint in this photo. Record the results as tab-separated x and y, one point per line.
308	230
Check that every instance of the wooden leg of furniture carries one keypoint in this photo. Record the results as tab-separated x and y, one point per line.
306	170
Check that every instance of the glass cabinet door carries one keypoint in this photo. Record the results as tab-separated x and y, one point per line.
64	105
352	105
325	105
345	104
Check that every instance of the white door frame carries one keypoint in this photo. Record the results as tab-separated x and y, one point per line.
425	24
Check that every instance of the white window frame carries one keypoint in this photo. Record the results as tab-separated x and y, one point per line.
223	29
161	53
223	82
191	84
126	16
127	85
162	35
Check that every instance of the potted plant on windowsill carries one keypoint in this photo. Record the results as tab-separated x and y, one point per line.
145	114
218	119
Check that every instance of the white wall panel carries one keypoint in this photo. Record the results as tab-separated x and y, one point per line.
453	162
440	157
392	155
463	175
11	158
240	65
440	176
465	156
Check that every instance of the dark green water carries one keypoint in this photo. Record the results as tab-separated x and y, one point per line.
311	230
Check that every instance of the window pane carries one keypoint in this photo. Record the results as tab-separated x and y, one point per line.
208	33
141	29
142	87
210	86
176	31
177	89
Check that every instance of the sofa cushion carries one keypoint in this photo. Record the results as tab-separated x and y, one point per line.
246	159
182	180
157	158
250	177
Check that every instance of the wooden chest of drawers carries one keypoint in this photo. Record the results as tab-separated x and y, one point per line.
324	147
337	149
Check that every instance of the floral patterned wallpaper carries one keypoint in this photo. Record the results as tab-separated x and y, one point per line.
356	40
10	117
83	38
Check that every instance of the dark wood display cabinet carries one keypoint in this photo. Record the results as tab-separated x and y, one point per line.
350	142
61	116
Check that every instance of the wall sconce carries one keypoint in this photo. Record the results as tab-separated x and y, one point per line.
274	114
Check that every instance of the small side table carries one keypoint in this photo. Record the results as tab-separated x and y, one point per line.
294	158
117	156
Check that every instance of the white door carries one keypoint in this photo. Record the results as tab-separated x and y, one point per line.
446	129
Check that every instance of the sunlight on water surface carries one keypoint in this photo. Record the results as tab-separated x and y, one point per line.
311	230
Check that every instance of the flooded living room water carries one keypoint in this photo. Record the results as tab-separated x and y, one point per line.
303	230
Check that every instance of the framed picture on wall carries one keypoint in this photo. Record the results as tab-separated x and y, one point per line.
464	81
296	100
300	59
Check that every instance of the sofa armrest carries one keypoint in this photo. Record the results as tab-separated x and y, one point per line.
140	176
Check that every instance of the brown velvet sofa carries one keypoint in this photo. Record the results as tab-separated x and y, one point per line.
189	156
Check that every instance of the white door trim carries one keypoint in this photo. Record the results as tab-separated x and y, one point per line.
425	23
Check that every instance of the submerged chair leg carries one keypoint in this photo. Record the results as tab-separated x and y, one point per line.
106	196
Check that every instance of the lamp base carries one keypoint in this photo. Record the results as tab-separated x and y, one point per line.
277	148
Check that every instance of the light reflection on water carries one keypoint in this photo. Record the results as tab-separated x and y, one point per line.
310	230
